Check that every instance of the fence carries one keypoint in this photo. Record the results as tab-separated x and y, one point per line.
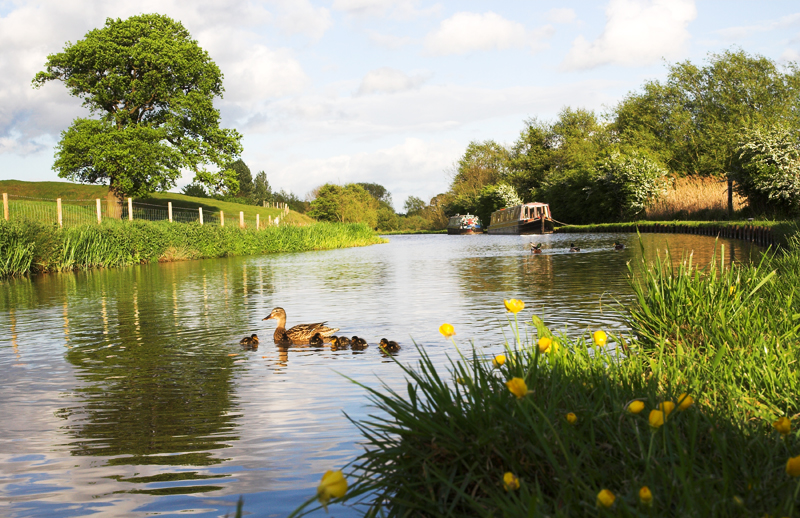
82	212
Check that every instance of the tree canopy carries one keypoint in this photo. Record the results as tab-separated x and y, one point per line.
152	88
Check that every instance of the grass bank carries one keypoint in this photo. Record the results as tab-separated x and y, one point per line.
31	247
567	428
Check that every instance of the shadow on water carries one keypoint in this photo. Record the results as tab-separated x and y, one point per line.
131	395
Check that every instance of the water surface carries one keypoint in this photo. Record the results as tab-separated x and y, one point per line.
125	391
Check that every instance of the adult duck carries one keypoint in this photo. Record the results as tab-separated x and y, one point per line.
300	333
573	248
249	340
389	346
618	245
536	249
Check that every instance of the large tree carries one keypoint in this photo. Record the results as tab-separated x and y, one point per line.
151	87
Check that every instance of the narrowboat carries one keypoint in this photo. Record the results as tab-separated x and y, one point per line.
528	218
466	224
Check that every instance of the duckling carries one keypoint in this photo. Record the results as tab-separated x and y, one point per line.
573	248
536	249
300	333
344	341
249	340
389	346
358	344
316	340
338	343
618	245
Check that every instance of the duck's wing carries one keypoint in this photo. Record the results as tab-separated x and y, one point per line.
306	331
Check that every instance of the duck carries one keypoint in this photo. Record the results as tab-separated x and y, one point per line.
316	340
249	340
573	248
389	346
618	245
300	333
536	249
358	344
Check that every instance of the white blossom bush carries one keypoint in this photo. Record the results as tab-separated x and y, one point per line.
508	195
768	167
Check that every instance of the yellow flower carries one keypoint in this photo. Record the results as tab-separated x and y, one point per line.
544	344
667	407
793	466
635	407
600	338
499	360
656	419
510	481
605	498
731	291
333	485
783	425
645	496
685	401
447	330
572	418
517	387
514	305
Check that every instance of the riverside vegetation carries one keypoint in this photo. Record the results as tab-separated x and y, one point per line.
32	247
696	414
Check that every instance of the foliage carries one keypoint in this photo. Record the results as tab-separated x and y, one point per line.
413	205
261	189
196	190
49	248
628	183
348	204
768	168
291	200
243	177
483	163
153	88
377	191
692	121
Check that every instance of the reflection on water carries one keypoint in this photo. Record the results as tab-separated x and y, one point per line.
126	391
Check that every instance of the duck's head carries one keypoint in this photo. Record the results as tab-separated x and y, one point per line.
384	342
254	337
277	314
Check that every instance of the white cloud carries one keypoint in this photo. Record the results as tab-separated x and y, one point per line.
389	80
790	55
300	17
468	32
399	9
739	33
561	15
637	32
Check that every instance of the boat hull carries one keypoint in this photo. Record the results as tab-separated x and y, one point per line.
463	231
522	227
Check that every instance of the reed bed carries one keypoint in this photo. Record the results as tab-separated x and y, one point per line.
697	414
31	247
695	198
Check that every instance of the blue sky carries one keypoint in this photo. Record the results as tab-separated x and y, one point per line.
385	91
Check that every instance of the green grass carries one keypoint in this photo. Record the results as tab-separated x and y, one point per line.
71	191
31	247
727	336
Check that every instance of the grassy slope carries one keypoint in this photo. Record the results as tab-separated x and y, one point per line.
66	190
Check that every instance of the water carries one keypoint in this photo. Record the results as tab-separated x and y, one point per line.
125	392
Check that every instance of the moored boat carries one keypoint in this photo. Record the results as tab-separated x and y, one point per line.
466	224
528	218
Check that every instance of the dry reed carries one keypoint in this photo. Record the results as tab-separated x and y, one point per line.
695	198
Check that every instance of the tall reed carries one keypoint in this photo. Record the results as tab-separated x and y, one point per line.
695	198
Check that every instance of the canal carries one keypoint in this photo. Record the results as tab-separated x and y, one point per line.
125	392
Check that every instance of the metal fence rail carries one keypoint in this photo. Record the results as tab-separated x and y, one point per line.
81	212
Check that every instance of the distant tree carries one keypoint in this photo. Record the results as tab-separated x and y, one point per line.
767	169
379	192
195	189
348	204
153	88
261	188
483	163
244	177
413	205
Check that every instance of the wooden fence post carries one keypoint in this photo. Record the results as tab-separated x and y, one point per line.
269	220
130	209
258	223
221	219
169	211
241	219
99	213
5	205
60	214
200	209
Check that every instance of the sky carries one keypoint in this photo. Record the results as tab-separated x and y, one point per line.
384	91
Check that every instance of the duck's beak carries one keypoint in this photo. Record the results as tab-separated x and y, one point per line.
268	317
